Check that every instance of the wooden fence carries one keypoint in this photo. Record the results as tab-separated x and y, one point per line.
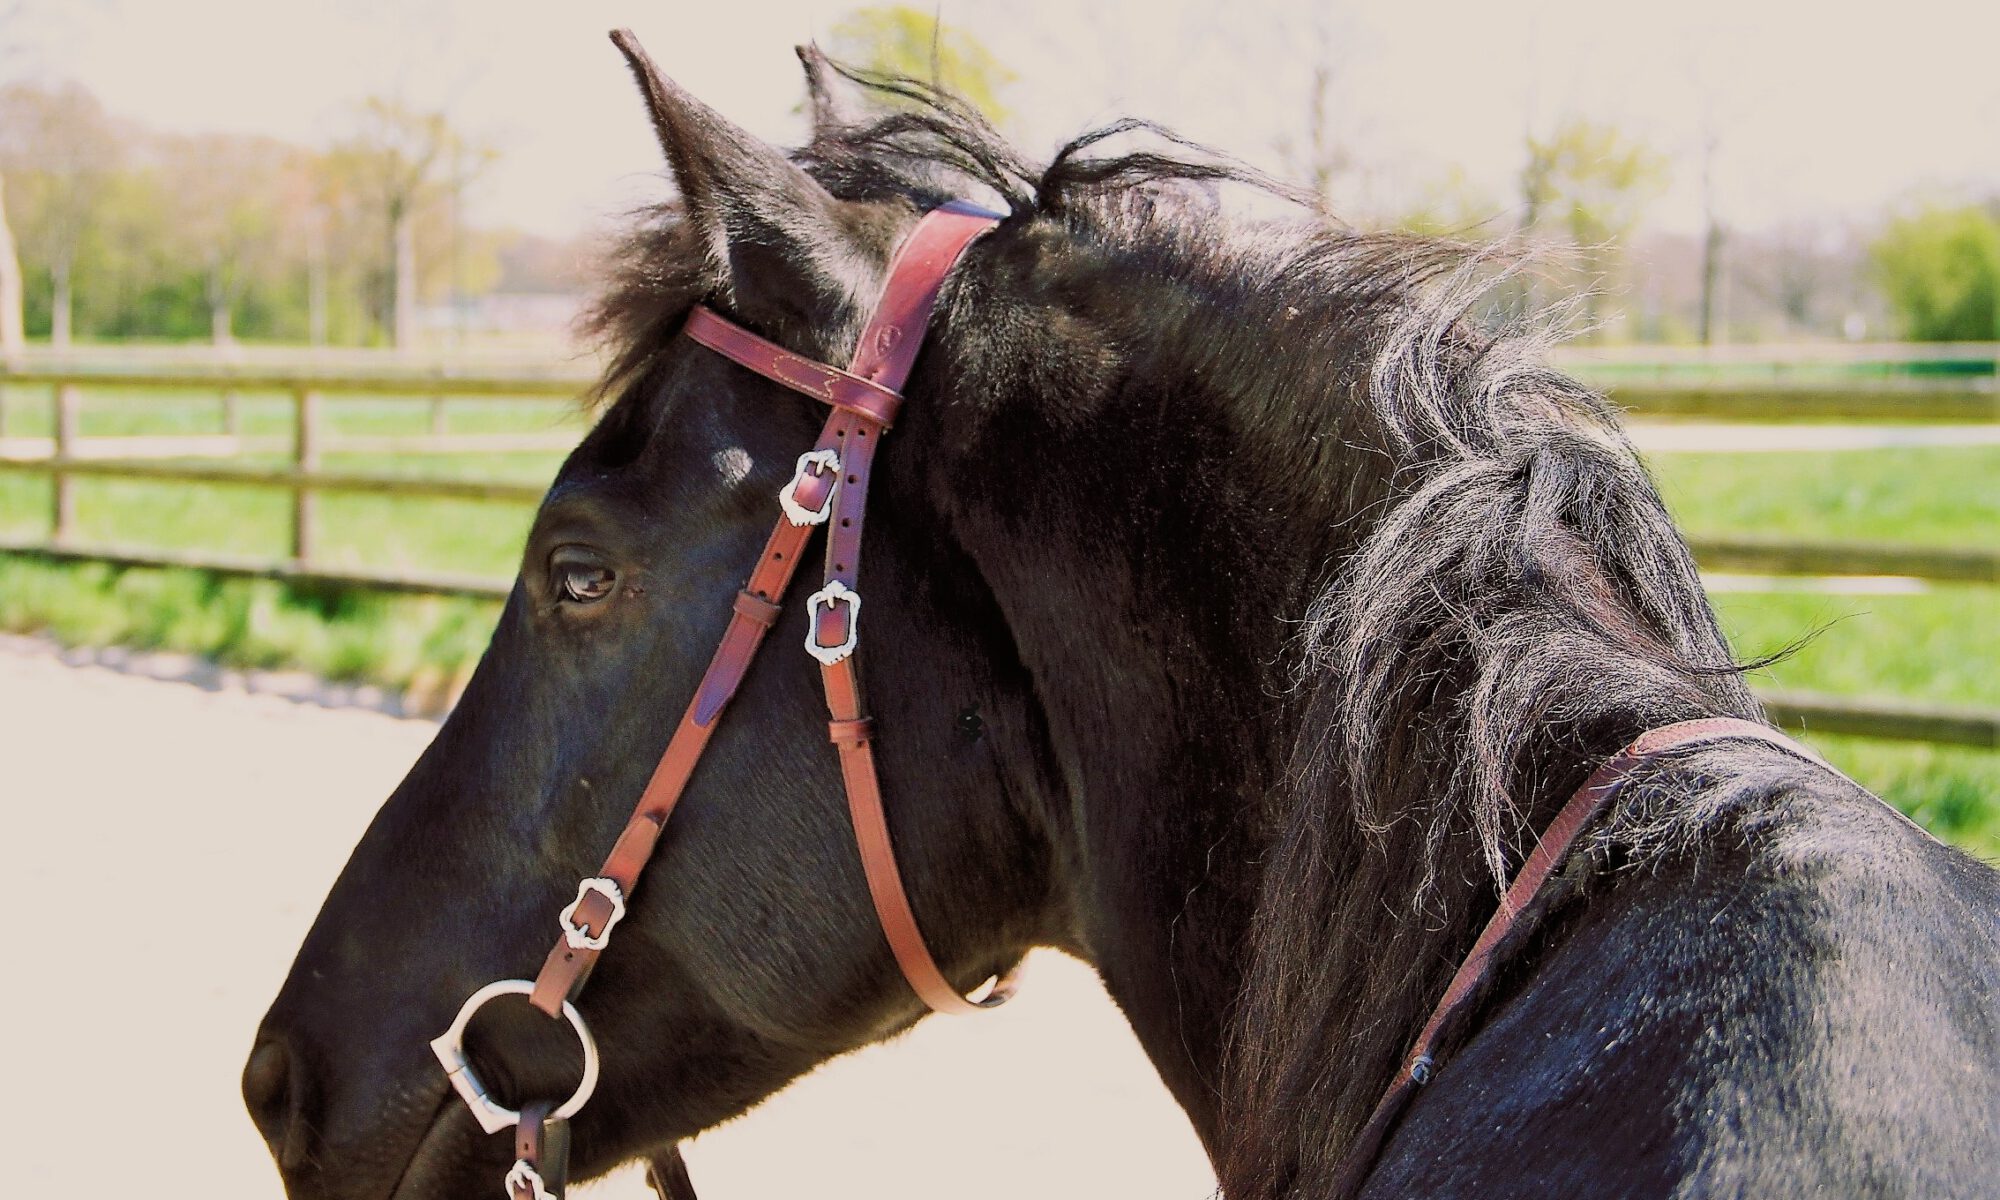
1874	401
304	478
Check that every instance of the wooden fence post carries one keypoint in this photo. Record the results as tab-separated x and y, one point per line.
69	407
232	420
437	415
305	461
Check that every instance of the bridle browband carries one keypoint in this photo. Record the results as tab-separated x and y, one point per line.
829	487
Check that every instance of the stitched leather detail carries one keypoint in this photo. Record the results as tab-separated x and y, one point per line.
867	397
842	732
758	609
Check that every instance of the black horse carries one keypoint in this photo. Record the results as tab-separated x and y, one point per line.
1241	603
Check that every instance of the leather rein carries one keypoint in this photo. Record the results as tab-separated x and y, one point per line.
829	487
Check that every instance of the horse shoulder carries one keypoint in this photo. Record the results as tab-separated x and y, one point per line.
1808	1007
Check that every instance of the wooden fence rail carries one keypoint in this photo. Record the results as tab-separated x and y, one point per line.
1776	556
305	479
1957	403
421	583
389	380
1884	717
307	387
292	479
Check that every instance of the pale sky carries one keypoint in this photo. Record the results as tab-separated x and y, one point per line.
1824	110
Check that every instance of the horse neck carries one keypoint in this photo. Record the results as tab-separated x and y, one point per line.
1153	558
1153	609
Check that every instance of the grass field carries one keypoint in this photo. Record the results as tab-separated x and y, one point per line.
1932	496
1938	645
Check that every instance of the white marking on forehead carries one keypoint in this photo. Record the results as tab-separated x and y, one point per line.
732	464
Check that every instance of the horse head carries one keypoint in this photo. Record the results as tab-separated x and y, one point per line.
751	953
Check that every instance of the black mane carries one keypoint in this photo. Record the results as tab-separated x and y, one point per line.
1505	601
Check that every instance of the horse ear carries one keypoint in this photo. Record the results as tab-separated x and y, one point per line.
768	226
835	102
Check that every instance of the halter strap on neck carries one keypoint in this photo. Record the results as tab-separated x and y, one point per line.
1469	982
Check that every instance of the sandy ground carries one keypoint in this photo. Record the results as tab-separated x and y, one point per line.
135	811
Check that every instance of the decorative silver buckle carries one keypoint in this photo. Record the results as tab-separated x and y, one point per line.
828	463
578	937
835	592
524	1175
449	1047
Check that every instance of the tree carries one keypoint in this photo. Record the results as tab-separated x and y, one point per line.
1321	156
1940	269
402	161
899	40
1449	206
228	196
13	332
13	335
1712	235
1591	182
59	148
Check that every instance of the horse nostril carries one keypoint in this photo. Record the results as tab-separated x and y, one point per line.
267	1092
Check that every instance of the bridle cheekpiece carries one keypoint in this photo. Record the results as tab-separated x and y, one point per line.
829	487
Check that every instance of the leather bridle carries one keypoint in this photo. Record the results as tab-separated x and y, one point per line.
830	488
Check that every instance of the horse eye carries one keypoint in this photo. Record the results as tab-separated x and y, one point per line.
580	580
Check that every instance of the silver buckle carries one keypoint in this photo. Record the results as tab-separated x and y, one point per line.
576	935
449	1047
828	463
835	592
524	1175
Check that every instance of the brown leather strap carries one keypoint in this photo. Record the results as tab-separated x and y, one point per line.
543	1145
753	612
830	384
667	1175
865	399
1473	973
885	881
885	353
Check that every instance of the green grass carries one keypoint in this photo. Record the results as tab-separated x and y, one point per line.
1933	496
1937	646
340	634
